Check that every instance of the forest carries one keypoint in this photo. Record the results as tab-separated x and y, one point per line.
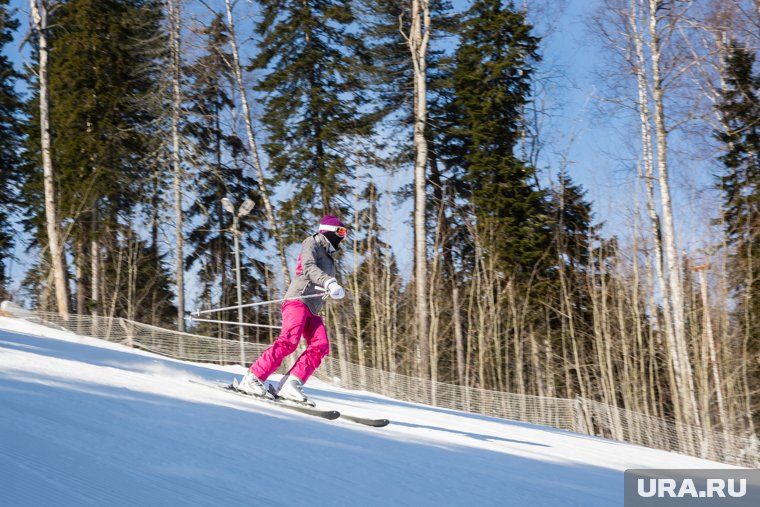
125	123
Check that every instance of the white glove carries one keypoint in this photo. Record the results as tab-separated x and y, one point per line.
335	290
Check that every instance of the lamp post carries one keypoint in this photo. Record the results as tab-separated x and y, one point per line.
245	208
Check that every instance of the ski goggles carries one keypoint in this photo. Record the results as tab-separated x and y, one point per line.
340	231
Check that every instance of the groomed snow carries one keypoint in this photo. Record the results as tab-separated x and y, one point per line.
85	422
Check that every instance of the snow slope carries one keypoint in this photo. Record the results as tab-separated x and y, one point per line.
85	422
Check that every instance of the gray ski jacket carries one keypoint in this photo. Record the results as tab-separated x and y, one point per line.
316	267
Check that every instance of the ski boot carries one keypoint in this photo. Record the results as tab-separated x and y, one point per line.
291	390
253	386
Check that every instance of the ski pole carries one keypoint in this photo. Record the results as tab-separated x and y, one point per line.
193	319
259	303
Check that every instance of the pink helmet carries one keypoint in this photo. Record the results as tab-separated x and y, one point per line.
333	223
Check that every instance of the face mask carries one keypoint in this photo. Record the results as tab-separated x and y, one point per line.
333	238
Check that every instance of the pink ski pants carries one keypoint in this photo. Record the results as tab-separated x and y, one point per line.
297	321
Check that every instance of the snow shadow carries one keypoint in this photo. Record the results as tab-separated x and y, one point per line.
476	436
366	398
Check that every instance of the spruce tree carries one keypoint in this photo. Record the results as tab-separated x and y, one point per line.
493	65
102	75
740	109
572	223
219	154
392	74
740	114
316	105
104	70
573	237
10	138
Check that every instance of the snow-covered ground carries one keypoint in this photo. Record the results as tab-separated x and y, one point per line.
85	422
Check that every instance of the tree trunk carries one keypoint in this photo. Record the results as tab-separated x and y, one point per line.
79	263
358	328
252	146
647	153
668	229
94	268
154	234
55	241
445	198
417	40
179	259
707	329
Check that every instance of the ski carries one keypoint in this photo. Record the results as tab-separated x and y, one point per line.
330	415
323	414
375	423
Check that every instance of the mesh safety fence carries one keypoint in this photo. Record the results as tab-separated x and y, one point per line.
578	415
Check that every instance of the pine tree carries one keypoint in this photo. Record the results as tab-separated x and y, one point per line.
391	75
572	223
740	113
491	83
567	289
103	88
100	76
10	139
218	153
402	35
316	108
476	127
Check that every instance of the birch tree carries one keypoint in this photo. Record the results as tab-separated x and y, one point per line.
100	90
220	155
252	145
417	40
639	69
643	34
662	16
39	19
175	18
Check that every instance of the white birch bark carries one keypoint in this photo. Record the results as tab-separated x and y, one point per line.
81	295
417	40
55	241
95	278
668	227
179	259
648	158
252	145
707	329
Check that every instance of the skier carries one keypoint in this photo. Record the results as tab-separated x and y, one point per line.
300	317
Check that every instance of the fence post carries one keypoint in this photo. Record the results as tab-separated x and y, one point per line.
579	409
127	330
